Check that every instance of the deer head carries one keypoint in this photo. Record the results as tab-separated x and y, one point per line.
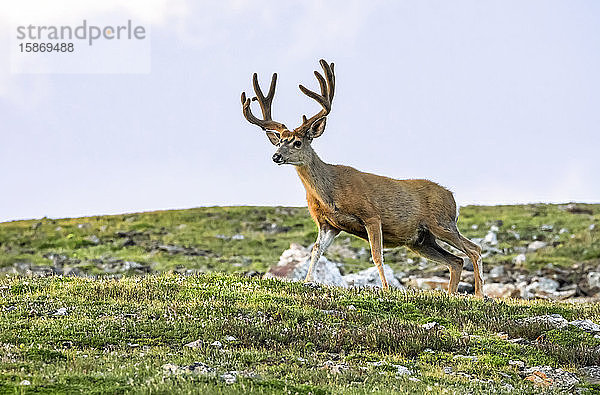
293	146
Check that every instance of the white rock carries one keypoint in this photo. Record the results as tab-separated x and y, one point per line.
519	259
237	237
563	230
491	238
370	278
497	271
552	320
61	311
536	245
293	266
25	382
229	377
230	339
195	344
216	344
593	279
499	290
586	325
431	325
403	371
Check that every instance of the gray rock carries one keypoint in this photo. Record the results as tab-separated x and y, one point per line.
520	259
551	320
499	290
370	278
403	371
25	382
586	325
293	266
195	344
536	245
491	238
558	378
593	279
497	272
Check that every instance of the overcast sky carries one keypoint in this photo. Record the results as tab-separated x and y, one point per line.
499	101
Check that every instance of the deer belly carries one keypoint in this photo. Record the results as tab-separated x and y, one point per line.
347	223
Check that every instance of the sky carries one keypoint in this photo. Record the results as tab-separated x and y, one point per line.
496	100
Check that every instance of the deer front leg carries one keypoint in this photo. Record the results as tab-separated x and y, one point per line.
324	240
376	240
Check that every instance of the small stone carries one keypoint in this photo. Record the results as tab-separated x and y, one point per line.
520	259
499	290
217	344
229	377
93	239
25	382
547	228
195	344
497	271
61	311
563	230
230	339
237	237
403	371
351	307
448	370
551	320
431	325
377	364
536	245
491	238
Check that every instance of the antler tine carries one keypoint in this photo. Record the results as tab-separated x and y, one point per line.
267	122
327	85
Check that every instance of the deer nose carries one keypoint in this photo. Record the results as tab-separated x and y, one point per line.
277	158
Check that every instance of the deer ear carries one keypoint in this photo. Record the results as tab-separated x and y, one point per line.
274	137
317	128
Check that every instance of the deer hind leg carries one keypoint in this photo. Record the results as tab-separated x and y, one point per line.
376	240
324	240
472	250
430	249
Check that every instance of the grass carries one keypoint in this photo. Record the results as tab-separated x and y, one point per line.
117	334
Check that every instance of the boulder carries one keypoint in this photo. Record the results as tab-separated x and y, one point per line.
498	290
293	266
370	278
536	245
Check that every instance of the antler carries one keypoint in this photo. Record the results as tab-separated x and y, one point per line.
324	99
265	105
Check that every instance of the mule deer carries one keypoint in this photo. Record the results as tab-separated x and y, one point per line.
381	210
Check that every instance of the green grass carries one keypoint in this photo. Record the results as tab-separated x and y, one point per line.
118	333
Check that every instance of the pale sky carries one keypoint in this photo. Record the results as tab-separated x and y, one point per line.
497	100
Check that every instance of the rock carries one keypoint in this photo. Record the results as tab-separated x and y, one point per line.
593	280
334	367
351	307
551	320
497	272
432	325
536	245
25	382
217	344
61	311
230	339
84	226
519	259
491	238
229	377
198	368
563	230
377	363
547	228
586	325
542	288
370	278
93	239
195	344
546	376
590	374
403	371
429	283
498	290
575	209
465	288
293	266
237	237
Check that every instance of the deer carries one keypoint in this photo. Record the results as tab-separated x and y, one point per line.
385	212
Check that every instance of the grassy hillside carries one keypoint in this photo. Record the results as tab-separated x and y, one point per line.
244	239
119	335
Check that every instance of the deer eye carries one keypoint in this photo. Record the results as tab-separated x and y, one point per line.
297	143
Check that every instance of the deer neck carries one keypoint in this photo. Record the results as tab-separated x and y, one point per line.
317	177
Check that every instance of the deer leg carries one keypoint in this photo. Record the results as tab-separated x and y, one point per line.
376	240
324	240
473	251
432	250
